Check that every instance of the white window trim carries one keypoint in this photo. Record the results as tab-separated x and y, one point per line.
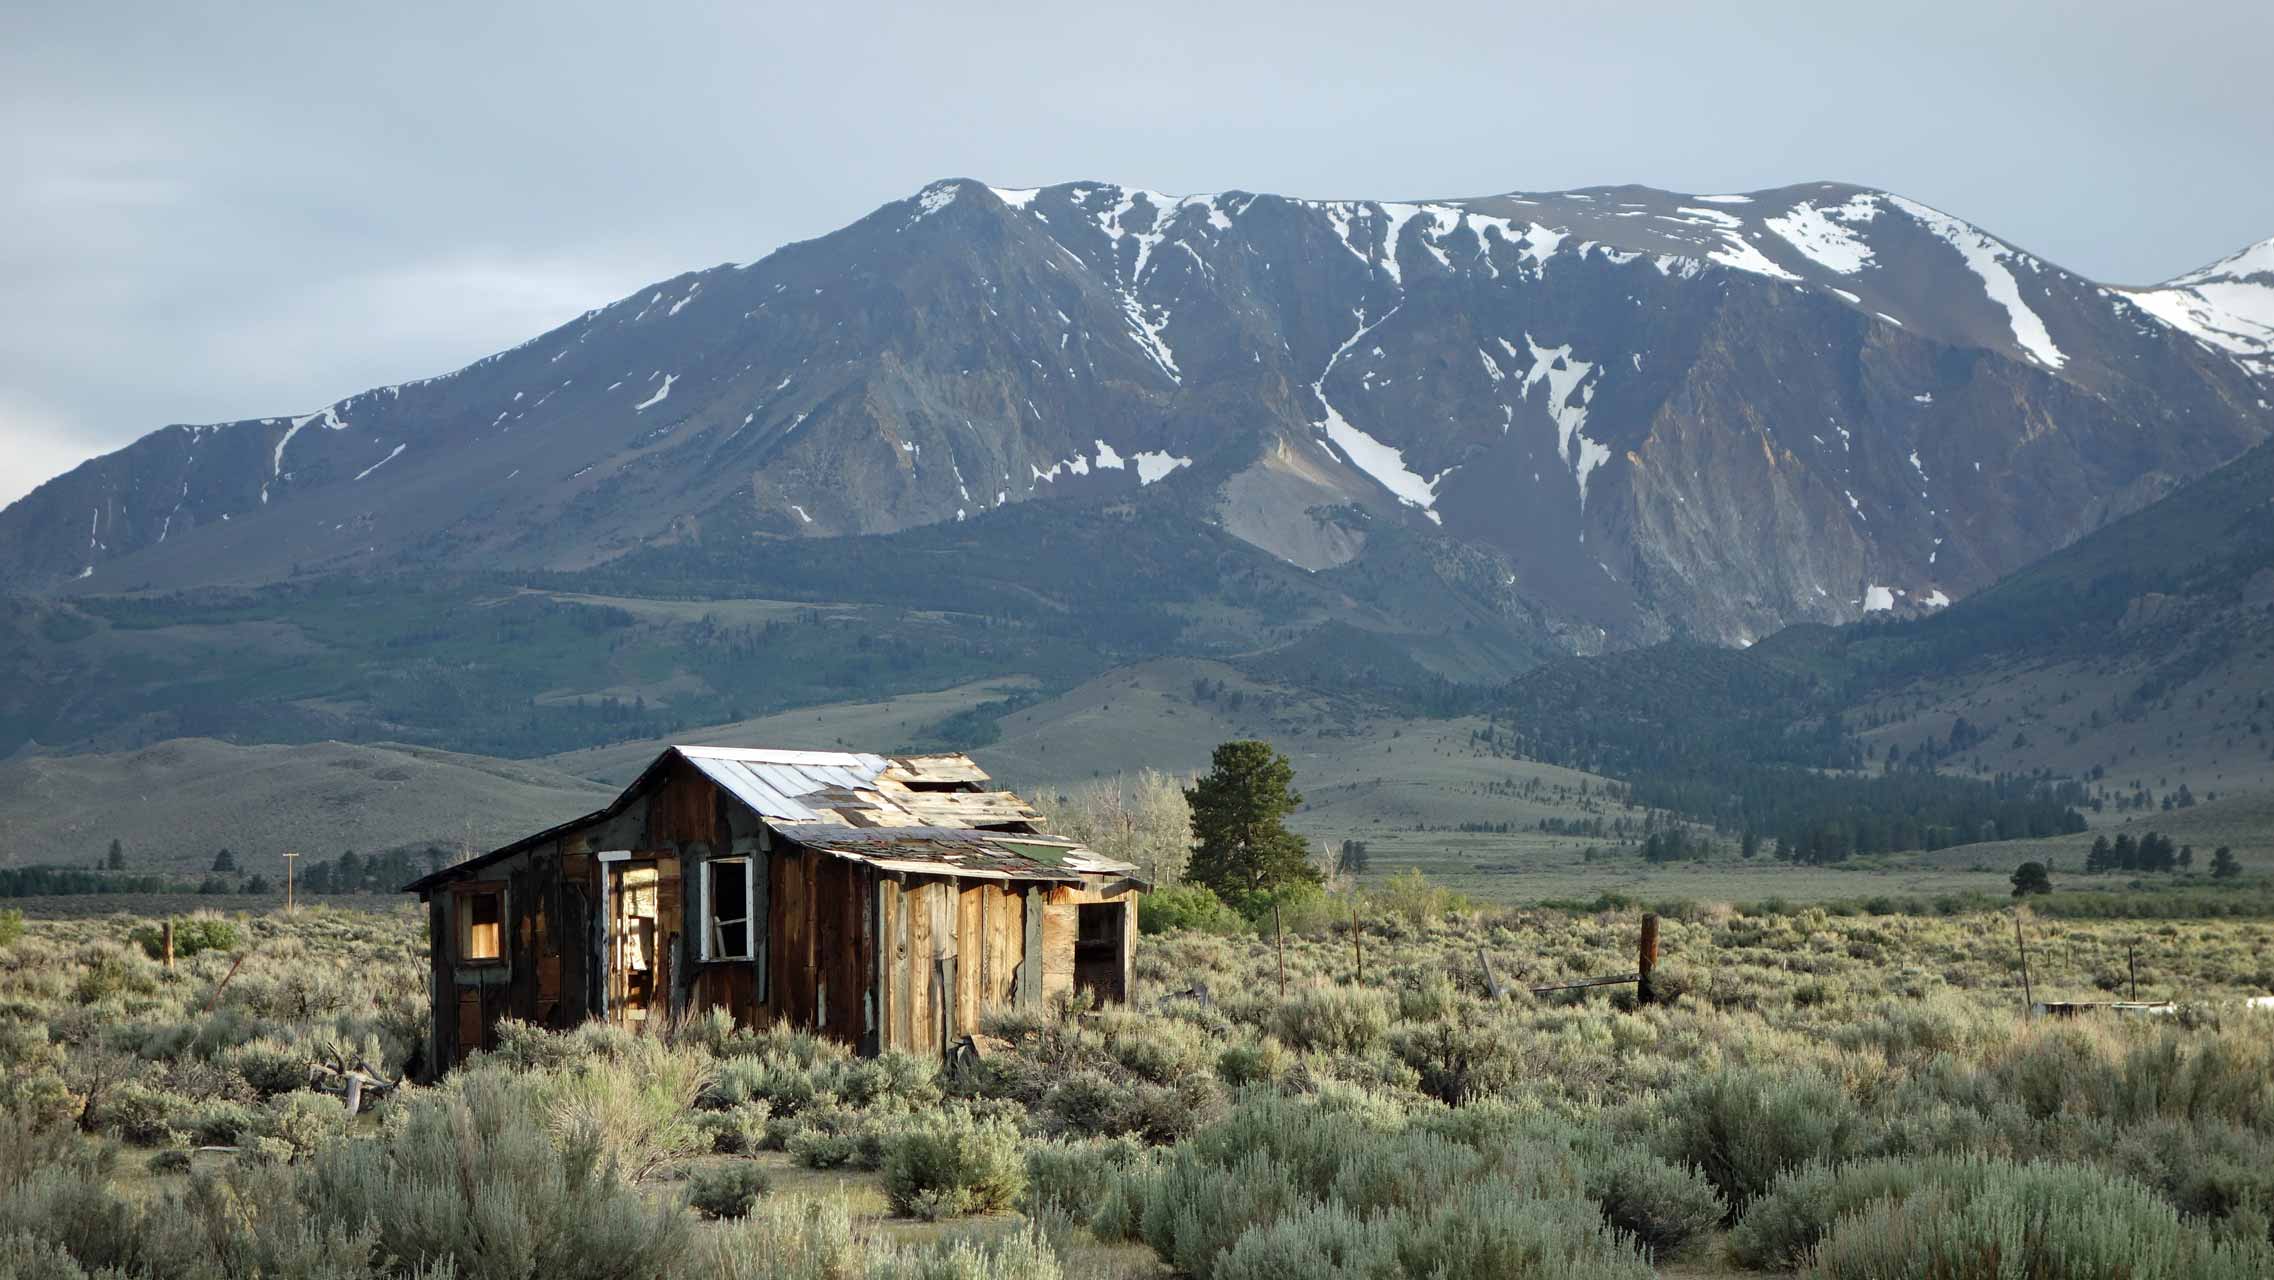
707	948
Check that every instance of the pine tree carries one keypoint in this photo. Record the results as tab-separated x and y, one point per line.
225	860
1240	836
2102	857
2223	864
2031	877
116	858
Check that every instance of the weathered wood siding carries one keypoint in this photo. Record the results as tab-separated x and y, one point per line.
877	960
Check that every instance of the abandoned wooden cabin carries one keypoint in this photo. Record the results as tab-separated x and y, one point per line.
886	902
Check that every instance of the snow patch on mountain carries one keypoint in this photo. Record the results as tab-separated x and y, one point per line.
1826	235
1988	258
2227	306
380	463
331	421
1566	377
664	391
1385	463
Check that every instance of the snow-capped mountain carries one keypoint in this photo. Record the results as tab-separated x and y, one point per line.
2228	305
1659	413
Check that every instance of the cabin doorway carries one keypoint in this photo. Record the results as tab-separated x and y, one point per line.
1099	964
643	931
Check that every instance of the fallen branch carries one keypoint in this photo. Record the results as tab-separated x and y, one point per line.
1591	982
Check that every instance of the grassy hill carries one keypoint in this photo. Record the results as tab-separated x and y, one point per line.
173	805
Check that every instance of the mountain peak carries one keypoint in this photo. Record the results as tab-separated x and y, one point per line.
1591	399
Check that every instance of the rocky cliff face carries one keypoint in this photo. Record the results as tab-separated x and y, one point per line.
1652	413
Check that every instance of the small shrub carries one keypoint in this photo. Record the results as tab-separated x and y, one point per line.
1664	1207
269	1066
1190	907
1744	1128
1341	1020
2067	1221
192	936
952	1163
1076	1178
1263	1061
728	1190
137	1113
11	927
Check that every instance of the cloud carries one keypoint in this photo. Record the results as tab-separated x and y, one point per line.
211	216
37	444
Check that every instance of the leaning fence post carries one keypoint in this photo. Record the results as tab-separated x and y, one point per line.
1646	960
1491	982
1279	943
1357	949
2021	944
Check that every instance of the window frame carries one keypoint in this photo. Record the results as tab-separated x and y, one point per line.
711	948
463	920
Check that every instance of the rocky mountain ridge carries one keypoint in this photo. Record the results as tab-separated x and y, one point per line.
1656	414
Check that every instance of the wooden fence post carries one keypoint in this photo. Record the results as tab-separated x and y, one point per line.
1646	959
2021	944
1491	981
1279	942
168	931
1357	950
2132	964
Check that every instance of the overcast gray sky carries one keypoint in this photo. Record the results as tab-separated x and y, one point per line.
216	211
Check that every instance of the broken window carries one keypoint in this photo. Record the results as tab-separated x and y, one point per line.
727	894
481	924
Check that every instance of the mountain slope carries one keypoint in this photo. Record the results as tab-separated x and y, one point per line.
174	804
1654	414
2144	652
2228	306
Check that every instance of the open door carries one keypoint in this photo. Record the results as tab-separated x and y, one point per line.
643	933
1099	961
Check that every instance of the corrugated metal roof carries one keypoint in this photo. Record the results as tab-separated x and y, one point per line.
857	789
776	783
904	813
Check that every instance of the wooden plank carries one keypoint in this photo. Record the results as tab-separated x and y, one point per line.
762	920
921	1013
1030	951
1006	940
523	904
970	927
935	769
470	1023
864	901
1129	948
812	867
887	970
671	968
1059	925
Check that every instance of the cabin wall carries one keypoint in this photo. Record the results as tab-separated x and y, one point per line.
878	960
949	953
